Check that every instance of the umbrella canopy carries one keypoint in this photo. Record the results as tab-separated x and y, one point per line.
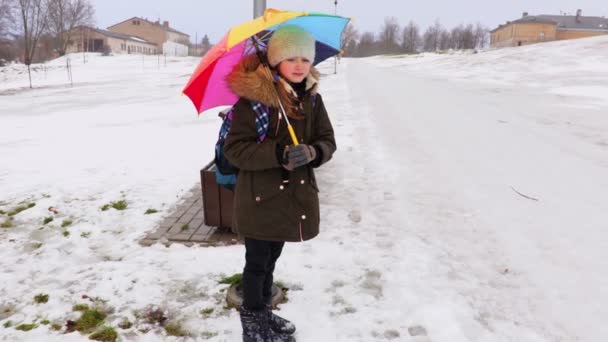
207	87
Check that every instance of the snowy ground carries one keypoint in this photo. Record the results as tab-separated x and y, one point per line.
422	225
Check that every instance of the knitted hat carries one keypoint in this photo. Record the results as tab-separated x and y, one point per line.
290	41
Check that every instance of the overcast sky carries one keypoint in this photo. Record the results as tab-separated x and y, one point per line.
214	18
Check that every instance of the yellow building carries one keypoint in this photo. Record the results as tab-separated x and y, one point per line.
89	39
531	29
162	35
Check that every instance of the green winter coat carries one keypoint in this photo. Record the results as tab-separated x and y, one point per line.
266	208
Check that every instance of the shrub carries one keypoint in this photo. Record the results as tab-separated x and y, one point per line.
41	298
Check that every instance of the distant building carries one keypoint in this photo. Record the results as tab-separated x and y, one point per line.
530	29
91	39
156	33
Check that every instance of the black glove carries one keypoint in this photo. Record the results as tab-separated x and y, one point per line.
296	156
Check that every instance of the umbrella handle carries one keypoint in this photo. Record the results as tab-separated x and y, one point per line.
294	139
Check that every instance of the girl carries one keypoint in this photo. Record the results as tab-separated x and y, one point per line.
276	196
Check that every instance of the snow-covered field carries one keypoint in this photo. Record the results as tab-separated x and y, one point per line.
424	219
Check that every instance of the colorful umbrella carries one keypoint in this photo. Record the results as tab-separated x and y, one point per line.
207	86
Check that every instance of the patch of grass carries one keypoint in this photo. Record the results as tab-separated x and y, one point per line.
154	315
56	326
185	227
106	334
175	329
8	223
233	279
85	234
150	211
207	311
280	285
26	327
90	319
8	324
80	307
66	233
45	322
118	205
47	220
41	298
125	324
37	245
66	223
2	212
21	208
208	334
46	196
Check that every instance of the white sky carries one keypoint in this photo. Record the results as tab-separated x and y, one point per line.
198	17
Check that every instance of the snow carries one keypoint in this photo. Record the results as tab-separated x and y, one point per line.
422	223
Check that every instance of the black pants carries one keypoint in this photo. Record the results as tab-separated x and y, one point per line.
260	258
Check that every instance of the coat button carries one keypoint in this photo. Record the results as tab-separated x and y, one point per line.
302	181
281	187
258	198
303	217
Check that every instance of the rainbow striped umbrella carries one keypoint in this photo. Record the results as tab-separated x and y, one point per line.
207	86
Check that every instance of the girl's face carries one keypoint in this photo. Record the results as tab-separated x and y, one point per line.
295	69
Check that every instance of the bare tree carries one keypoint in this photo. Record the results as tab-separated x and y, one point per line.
6	17
431	37
389	35
34	21
481	36
367	45
205	44
349	39
410	38
445	40
65	16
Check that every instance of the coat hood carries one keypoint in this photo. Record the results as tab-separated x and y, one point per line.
249	80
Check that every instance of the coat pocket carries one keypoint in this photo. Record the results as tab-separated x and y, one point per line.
267	185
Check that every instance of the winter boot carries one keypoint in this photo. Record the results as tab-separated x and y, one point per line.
256	327
279	324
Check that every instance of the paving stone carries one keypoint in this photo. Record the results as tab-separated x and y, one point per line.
190	212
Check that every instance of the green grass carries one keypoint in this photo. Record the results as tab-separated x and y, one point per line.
47	220
37	245
208	334
125	324
106	334
85	234
207	311
56	326
8	223
21	208
90	319
175	329
185	227
150	211
66	223
2	212
66	233
26	327
233	279
41	298
118	205
45	322
8	324
80	307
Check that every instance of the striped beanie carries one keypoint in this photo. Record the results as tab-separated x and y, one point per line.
290	41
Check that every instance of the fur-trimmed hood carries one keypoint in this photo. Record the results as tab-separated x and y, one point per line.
249	80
